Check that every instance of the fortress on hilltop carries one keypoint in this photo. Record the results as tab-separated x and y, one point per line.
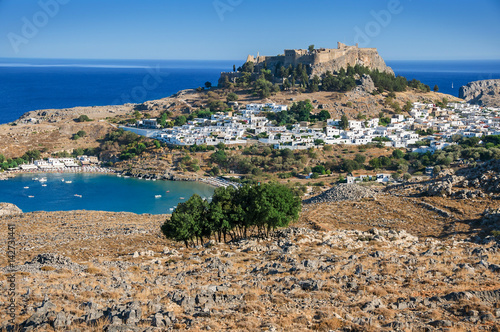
321	60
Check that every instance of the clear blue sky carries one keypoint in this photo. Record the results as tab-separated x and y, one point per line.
231	29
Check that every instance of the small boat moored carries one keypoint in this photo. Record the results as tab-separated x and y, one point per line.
157	196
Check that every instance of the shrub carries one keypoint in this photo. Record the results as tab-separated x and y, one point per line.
83	118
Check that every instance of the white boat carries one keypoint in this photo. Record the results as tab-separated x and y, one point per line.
171	209
34	179
119	175
26	187
44	185
153	180
31	196
42	179
181	197
126	176
62	180
157	196
68	181
76	195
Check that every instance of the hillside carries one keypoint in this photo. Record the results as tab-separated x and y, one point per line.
380	263
51	130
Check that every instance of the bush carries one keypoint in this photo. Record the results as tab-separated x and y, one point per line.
83	118
232	97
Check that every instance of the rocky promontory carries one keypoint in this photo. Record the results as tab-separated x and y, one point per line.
483	93
8	209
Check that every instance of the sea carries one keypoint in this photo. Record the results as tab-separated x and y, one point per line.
99	192
34	84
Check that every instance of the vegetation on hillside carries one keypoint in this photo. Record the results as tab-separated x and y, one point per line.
233	213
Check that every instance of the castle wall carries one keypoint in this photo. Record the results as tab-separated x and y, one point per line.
326	59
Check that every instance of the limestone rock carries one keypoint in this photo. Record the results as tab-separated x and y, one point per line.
7	209
483	93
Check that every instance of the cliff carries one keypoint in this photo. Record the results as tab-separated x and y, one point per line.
319	61
368	57
483	93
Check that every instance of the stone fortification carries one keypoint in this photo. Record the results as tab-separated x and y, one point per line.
321	60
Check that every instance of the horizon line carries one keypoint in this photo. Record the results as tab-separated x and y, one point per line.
151	59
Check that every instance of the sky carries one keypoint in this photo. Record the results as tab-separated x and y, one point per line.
232	29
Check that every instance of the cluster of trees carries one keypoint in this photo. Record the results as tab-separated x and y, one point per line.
256	160
233	213
189	163
342	81
125	143
470	149
299	111
6	163
79	134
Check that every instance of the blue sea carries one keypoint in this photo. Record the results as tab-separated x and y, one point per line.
100	192
33	84
449	76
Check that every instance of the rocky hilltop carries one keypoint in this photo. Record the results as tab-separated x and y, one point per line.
483	93
320	60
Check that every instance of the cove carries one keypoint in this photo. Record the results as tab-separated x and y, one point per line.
98	192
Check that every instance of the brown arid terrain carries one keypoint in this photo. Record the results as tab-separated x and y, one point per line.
399	258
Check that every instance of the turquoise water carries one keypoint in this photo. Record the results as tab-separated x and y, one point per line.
98	192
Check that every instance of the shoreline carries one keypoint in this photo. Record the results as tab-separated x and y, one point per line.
74	170
211	181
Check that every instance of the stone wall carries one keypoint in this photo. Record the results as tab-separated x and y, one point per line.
322	60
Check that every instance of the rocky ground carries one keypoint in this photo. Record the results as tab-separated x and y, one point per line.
484	93
360	260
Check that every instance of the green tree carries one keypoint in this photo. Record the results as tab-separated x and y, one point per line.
232	97
310	48
180	120
282	205
436	88
323	115
360	159
344	122
208	84
83	118
248	67
219	157
408	106
31	155
398	154
188	222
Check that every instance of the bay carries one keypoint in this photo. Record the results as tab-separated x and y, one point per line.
98	192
